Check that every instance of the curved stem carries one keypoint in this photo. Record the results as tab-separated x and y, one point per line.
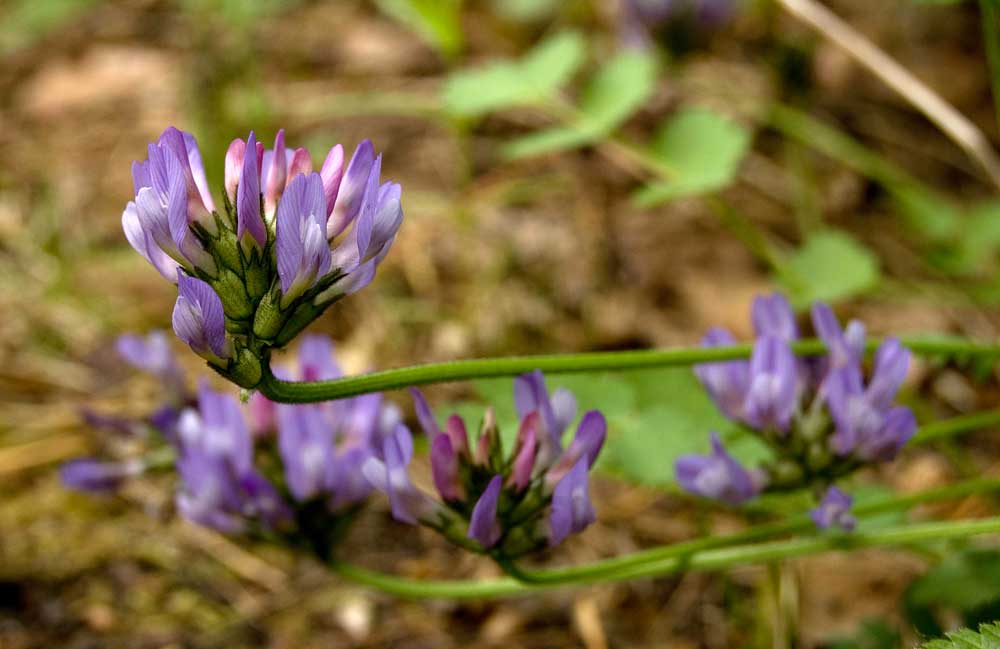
794	524
308	392
712	559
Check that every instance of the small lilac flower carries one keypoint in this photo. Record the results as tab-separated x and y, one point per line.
445	469
717	476
156	223
345	192
555	412
200	204
375	225
525	452
572	510
199	320
587	443
772	316
388	473
726	382
771	398
867	424
483	524
305	443
151	353
249	220
834	511
96	476
845	347
302	250
220	486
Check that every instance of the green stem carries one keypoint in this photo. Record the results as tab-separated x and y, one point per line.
795	524
309	392
708	560
948	427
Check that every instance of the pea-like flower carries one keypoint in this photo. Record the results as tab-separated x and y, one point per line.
818	415
834	511
290	242
491	503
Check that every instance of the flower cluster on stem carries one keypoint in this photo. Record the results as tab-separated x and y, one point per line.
289	242
818	414
505	505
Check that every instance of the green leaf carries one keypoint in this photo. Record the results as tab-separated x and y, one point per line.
507	84
702	151
829	267
611	96
673	417
928	213
963	582
438	22
24	21
987	638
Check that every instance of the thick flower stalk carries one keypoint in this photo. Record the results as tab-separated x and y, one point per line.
818	414
289	242
489	502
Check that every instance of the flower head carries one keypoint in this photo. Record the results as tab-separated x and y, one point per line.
533	497
290	243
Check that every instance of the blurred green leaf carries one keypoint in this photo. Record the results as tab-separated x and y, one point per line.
987	638
963	582
928	213
611	96
506	84
702	151
526	10
438	22
829	266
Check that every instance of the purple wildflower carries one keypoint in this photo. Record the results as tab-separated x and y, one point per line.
834	511
97	477
868	426
572	510
302	251
726	382
717	476
199	320
772	316
388	473
771	397
555	411
483	524
152	353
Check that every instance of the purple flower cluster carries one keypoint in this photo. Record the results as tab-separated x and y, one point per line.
291	242
819	415
536	496
313	453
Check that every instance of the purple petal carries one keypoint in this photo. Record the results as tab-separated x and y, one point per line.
771	399
234	167
772	315
199	319
332	172
316	359
726	382
97	477
524	460
425	416
717	476
572	510
892	361
834	511
587	443
305	443
444	468
197	168
483	524
351	190
142	241
248	216
454	427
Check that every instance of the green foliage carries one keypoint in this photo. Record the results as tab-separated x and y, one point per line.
438	22
506	84
830	266
701	150
617	90
987	638
965	583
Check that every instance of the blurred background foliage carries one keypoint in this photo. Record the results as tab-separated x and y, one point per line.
567	186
